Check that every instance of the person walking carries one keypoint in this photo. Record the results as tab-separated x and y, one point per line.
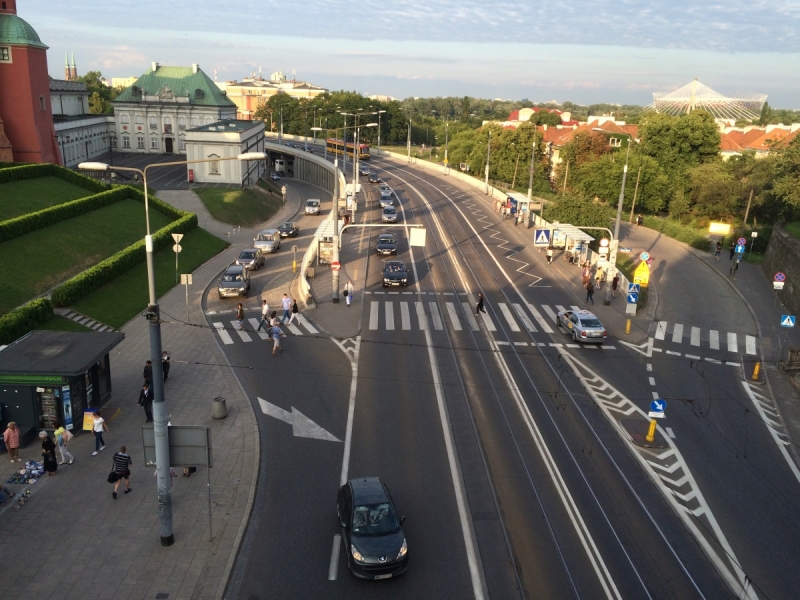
614	285
586	273
549	255
348	292
148	372
98	426
286	305
240	316
11	440
718	250
166	362
48	453
122	468
589	292
146	401
599	277
295	310
276	339
264	315
273	319
733	249
479	308
63	437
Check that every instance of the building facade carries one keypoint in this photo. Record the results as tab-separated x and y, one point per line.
225	139
254	91
81	136
154	114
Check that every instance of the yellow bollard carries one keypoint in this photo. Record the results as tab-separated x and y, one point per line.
756	371
294	266
627	327
651	433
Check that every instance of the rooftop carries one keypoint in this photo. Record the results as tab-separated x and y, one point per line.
228	125
14	30
56	352
165	84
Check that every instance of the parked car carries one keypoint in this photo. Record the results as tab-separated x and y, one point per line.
235	281
394	273
372	531
373	178
386	200
289	229
389	215
268	240
386	244
582	325
252	258
312	206
274	177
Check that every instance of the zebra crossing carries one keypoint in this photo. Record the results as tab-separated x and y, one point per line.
302	327
678	335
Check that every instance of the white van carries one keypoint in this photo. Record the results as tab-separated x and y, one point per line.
312	206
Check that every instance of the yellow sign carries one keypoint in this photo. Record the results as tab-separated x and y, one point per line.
719	228
88	421
642	274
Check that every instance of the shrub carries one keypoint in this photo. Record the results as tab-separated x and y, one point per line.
26	172
682	233
20	321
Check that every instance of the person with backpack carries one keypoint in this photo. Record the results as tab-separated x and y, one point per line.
63	437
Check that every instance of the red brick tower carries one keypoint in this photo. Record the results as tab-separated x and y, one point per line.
25	90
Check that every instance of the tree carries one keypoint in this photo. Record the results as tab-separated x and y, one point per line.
97	105
714	192
680	143
95	84
766	114
787	174
578	211
585	146
465	109
679	206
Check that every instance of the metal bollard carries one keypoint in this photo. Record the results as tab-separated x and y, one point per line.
651	432
628	327
756	371
219	408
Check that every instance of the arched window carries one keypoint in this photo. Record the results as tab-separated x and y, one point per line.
124	119
153	122
213	165
138	119
167	125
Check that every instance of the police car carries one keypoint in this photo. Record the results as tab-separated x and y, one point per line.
582	325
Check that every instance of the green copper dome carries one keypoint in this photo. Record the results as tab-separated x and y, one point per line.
14	30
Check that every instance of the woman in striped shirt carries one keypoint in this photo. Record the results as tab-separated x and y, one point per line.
122	467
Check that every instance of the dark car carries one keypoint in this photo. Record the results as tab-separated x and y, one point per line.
363	170
394	273
386	244
252	258
372	532
289	229
373	178
235	281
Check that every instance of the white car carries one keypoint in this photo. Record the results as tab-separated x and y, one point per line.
582	325
389	215
312	206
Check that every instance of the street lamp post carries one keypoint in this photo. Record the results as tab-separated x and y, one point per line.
530	178
409	141
280	131
446	161
379	113
612	252
488	156
153	316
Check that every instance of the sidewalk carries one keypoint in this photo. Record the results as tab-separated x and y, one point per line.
72	540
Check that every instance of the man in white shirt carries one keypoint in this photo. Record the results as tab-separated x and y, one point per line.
286	305
264	314
348	291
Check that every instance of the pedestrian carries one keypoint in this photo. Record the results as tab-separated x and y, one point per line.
98	426
276	339
295	310
273	319
4	491
589	292
63	437
148	372
166	362
286	305
735	268
549	255
49	453
122	469
639	220
586	273
718	250
11	440
516	220
146	401
479	308
240	316
264	315
733	249
599	277
348	292
614	285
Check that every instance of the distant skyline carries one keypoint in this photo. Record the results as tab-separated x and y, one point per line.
603	51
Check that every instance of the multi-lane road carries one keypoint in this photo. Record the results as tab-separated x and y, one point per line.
502	442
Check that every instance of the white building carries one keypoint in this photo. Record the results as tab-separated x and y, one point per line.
225	139
81	136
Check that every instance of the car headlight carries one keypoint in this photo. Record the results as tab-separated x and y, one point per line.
241	289
357	555
403	550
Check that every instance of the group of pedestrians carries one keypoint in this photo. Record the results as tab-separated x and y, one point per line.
271	323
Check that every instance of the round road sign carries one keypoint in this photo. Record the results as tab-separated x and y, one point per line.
658	405
741	241
176	248
780	276
335	266
644	255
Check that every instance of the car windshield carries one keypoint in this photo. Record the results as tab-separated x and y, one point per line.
229	277
287	226
247	255
395	268
313	203
374	519
590	322
388	211
385	239
264	238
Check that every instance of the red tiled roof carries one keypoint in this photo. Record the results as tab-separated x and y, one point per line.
727	144
767	140
514	116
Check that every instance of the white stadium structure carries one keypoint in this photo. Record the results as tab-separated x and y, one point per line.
695	95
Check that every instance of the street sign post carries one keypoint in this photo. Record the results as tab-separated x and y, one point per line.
645	256
778	280
176	249
186	280
634	287
657	409
541	237
741	241
787	320
335	266
633	297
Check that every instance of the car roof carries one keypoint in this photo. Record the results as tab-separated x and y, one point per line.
234	268
368	490
385	233
312	200
389	209
267	231
249	250
285	223
395	262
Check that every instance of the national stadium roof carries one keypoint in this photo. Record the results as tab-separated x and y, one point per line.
696	95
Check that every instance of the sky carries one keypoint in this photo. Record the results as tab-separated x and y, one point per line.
614	51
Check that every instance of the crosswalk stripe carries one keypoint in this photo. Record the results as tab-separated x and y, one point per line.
661	330
405	317
695	336
242	334
373	315
544	325
750	344
224	335
436	318
733	345
677	333
423	321
549	311
524	318
293	328
713	339
487	321
473	324
451	311
390	316
306	323
507	314
262	334
560	308
575	308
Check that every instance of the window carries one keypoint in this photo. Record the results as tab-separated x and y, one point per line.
114	142
614	142
208	121
213	166
153	122
195	122
182	144
124	119
154	143
167	125
5	54
138	119
181	123
126	141
140	143
42	105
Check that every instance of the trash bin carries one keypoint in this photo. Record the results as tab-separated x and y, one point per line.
219	408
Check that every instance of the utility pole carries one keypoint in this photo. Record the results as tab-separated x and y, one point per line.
409	141
635	192
612	251
488	157
566	176
335	220
747	210
530	178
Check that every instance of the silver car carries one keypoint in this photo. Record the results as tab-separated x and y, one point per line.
384	189
312	206
252	258
582	325
386	200
268	240
389	215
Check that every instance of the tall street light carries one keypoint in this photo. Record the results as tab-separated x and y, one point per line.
409	141
379	113
612	252
160	414
446	161
488	156
530	178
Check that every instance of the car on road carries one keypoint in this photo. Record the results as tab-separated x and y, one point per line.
389	215
268	240
363	170
394	273
386	244
235	281
582	325
312	206
252	258
373	177
289	229
275	177
384	189
309	150
386	200
372	531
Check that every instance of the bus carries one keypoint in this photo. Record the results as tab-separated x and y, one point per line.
336	146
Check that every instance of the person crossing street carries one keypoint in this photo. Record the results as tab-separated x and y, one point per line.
286	305
264	315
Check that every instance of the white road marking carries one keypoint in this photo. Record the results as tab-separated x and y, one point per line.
351	408
294	328
473	323
373	315
677	333
302	426
714	360
543	324
733	345
487	320
661	330
652	381
262	334
524	318
405	316
673	353
713	339
575	308
499	343
692	356
389	316
573	345
694	340
655	395
549	311
334	566
436	317
520	343
560	308
224	335
669	432
306	323
750	344
423	321
451	312
731	364
507	314
242	334
649	367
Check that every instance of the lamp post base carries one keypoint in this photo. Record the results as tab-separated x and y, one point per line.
336	301
168	540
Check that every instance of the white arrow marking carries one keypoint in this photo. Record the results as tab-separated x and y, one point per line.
302	426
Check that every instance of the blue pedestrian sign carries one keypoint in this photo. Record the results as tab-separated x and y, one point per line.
658	406
633	297
787	321
541	237
634	288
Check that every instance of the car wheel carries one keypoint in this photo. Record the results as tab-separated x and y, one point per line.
558	322
574	336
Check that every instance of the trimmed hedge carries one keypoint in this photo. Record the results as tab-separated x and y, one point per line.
16	172
682	233
20	321
106	271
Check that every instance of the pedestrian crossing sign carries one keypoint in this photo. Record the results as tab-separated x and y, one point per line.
634	288
541	237
787	321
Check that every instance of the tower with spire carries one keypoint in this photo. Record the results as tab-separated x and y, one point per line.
70	70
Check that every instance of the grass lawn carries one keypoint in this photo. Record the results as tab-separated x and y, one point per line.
627	266
38	261
118	302
238	207
30	195
59	323
793	228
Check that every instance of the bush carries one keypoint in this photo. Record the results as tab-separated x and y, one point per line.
80	180
26	172
682	233
20	321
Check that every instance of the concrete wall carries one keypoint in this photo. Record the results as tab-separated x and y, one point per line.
783	254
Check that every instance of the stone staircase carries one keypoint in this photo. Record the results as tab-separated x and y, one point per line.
82	319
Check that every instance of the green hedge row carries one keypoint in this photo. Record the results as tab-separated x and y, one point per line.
106	271
682	233
20	321
15	172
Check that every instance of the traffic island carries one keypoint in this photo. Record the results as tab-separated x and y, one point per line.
637	431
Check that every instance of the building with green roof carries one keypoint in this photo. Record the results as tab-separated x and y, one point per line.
153	114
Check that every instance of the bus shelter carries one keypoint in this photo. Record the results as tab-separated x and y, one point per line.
520	205
571	239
